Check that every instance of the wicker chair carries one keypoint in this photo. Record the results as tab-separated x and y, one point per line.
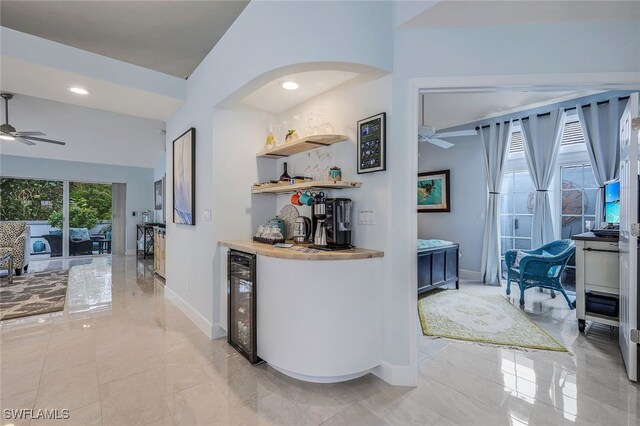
540	268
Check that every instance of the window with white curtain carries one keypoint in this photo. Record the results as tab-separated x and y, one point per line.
516	211
579	190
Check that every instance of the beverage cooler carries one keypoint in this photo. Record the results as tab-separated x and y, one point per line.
241	304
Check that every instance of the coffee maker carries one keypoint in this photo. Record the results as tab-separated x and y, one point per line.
338	223
318	222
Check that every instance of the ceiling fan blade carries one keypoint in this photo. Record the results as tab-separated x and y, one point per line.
30	134
455	133
24	141
33	138
441	143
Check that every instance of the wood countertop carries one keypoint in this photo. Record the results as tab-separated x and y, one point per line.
285	253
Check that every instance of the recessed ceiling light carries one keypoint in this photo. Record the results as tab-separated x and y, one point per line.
78	90
7	137
290	85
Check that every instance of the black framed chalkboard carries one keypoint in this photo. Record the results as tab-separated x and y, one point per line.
372	156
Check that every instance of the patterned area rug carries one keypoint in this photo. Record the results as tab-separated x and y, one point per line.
485	318
33	294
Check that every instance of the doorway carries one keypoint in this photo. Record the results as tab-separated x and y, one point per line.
605	81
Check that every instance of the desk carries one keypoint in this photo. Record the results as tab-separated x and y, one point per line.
597	271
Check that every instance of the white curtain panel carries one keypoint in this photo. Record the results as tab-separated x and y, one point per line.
541	136
600	126
495	141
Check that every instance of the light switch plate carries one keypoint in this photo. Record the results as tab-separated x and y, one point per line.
207	214
366	217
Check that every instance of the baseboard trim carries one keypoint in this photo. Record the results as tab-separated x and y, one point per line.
217	331
196	317
398	375
466	274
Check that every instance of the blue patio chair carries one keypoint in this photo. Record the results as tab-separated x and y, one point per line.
540	268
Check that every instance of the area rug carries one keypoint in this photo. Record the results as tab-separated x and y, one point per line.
33	294
484	318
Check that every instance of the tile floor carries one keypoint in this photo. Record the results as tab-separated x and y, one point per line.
121	355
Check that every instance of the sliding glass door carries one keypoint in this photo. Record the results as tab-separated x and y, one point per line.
89	218
45	204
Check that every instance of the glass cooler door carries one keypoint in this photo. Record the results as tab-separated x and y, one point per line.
242	304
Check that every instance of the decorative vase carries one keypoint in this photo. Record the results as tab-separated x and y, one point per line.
335	174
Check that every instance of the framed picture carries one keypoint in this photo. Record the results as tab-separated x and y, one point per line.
433	192
372	156
184	178
158	194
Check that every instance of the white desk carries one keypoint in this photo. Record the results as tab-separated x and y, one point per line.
597	271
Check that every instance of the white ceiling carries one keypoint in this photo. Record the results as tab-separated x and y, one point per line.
444	110
28	78
167	36
92	136
456	13
273	98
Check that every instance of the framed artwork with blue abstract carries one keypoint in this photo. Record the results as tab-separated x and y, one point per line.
184	178
433	192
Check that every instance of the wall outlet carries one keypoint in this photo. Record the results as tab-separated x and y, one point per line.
367	217
207	214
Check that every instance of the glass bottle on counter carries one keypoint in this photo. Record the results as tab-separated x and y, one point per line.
284	177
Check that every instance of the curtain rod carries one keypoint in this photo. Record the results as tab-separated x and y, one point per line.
622	98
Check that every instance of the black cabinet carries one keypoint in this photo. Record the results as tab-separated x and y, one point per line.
437	267
241	304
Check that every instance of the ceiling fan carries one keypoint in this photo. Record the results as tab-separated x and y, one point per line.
8	132
429	134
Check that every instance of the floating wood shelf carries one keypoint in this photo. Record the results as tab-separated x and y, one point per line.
301	145
303	186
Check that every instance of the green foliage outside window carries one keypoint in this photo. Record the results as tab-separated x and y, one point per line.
30	199
80	216
27	199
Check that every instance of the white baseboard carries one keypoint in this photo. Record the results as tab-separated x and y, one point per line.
211	330
218	331
466	274
398	375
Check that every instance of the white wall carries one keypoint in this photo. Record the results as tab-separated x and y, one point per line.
92	135
139	181
344	107
272	35
465	223
480	51
227	140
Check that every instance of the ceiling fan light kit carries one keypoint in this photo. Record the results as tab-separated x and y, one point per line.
9	133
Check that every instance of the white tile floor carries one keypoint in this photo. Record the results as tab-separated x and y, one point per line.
120	354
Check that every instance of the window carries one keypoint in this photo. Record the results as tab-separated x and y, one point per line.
579	191
571	135
516	211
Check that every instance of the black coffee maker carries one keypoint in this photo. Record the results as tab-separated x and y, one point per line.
338	223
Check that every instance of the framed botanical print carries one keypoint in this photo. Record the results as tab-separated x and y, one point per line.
184	178
372	144
433	192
